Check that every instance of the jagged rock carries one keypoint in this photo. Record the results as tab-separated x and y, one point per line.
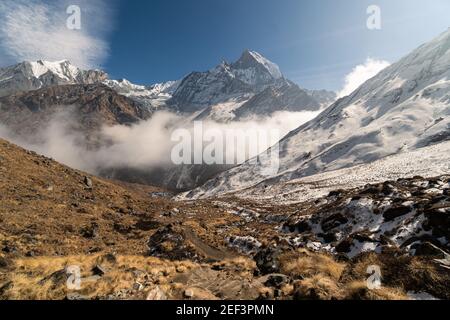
388	188
8	285
395	212
4	263
302	226
88	182
73	296
90	231
196	293
247	244
276	280
58	278
333	221
138	286
169	242
344	246
189	293
429	249
438	221
99	270
8	248
267	260
266	294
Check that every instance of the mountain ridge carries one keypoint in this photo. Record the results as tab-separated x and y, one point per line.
232	84
33	75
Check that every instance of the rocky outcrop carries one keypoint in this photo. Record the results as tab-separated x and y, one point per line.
406	215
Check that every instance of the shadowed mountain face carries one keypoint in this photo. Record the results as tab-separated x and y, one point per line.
92	106
286	97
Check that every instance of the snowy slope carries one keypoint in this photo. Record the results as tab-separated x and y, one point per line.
35	75
405	107
427	162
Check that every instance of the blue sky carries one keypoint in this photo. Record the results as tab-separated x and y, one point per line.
316	43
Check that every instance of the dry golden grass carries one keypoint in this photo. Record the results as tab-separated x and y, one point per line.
358	290
304	264
241	265
317	287
403	272
44	278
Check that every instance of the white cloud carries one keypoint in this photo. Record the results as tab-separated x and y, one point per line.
147	144
361	74
37	29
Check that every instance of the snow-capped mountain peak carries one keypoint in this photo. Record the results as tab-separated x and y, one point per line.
33	75
237	81
63	69
252	59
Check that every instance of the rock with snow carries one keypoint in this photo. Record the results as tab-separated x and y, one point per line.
368	220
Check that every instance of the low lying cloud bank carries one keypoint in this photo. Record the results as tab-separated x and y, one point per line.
149	144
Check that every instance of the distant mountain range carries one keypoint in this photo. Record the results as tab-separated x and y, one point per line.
31	93
251	86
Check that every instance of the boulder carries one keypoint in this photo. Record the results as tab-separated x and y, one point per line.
156	294
276	280
267	260
430	250
88	182
334	221
395	212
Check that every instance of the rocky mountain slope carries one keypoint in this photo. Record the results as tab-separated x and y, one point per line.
134	242
35	75
249	75
403	108
86	108
284	97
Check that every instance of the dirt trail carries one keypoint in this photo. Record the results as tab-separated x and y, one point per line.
208	251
